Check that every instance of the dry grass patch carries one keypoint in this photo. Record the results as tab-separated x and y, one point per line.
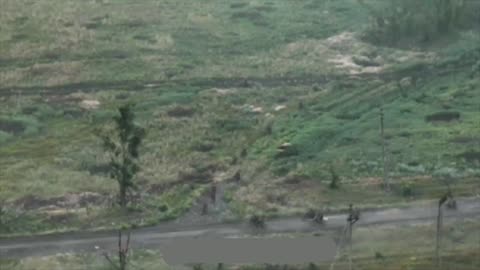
51	74
343	53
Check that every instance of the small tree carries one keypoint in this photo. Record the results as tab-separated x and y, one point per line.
386	182
334	180
425	20
122	145
7	218
122	253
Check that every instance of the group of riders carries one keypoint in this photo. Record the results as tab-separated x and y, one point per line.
316	216
354	214
319	216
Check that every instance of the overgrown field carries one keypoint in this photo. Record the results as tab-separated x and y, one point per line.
220	86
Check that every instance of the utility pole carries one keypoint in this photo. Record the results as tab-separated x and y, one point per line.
445	198
384	155
340	245
350	246
438	236
352	219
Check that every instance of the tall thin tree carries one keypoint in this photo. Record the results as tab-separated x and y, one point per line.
123	252
384	154
122	144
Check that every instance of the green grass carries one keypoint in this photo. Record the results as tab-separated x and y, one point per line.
151	40
144	260
152	210
165	56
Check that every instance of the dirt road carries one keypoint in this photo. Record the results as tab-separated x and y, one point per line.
155	237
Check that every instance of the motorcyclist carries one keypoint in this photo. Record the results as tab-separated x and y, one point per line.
319	217
353	215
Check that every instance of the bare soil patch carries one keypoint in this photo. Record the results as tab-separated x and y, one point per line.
72	200
344	53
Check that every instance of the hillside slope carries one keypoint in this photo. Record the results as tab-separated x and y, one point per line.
220	87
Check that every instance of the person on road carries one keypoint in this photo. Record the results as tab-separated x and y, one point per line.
353	215
319	217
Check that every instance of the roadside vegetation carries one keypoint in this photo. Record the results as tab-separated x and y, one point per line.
413	23
375	247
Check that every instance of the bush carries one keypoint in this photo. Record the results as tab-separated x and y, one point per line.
19	125
4	136
181	111
407	190
379	256
335	179
445	116
476	68
418	20
197	267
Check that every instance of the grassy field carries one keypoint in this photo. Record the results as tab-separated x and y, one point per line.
311	81
149	261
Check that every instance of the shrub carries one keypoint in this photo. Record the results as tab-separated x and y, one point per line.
11	126
197	267
4	136
476	68
418	20
202	146
181	111
19	125
407	190
470	155
163	208
335	179
268	128
445	116
44	112
379	256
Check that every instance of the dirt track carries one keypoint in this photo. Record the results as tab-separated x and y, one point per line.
155	237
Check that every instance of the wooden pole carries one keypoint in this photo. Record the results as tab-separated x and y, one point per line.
350	242
347	236
478	247
384	156
352	218
439	236
340	246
